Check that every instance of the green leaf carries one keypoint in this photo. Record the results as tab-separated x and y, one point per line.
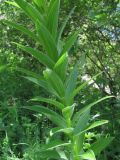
40	81
27	72
44	59
53	116
62	154
52	22
64	24
55	144
84	109
70	85
94	125
42	7
81	124
55	82
78	89
89	155
22	29
68	111
57	104
59	130
51	154
47	41
69	42
101	144
61	66
30	10
12	3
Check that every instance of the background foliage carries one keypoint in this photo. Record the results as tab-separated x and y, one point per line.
98	50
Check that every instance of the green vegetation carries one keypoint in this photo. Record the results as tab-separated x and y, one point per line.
59	80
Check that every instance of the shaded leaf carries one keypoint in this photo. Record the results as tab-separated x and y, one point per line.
22	29
101	144
53	116
44	59
57	104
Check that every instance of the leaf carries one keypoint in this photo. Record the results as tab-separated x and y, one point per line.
70	85
22	29
55	82
31	11
89	155
61	154
40	3
84	109
94	125
47	41
40	81
68	111
59	130
101	144
78	89
57	104
52	22
43	155
64	24
44	59
69	42
55	144
53	116
61	66
81	124
12	3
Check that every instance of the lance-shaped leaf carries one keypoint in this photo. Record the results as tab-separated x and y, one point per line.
22	29
55	144
94	125
61	66
52	21
44	59
62	154
41	5
29	73
69	42
36	79
82	122
84	109
59	130
79	88
51	115
68	111
12	3
64	24
30	10
57	104
40	81
101	144
47	41
70	85
54	80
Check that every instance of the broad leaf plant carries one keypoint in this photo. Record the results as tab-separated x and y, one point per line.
55	80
